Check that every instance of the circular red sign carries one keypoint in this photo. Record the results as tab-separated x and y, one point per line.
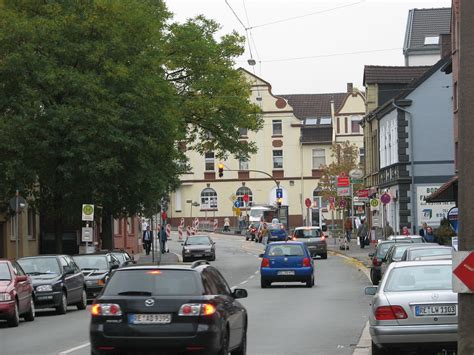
385	198
307	202
246	198
342	203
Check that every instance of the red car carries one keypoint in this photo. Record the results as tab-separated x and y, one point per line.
16	294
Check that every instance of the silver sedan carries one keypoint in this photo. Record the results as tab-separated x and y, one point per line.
414	308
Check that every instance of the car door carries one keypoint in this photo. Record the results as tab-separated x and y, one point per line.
387	259
23	288
68	279
77	278
233	308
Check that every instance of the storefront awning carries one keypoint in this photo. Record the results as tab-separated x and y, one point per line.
448	192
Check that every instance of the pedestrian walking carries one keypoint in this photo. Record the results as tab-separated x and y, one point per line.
163	239
264	234
362	234
405	231
241	222
388	230
348	229
147	240
429	236
423	229
226	224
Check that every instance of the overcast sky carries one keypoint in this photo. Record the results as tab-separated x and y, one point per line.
311	54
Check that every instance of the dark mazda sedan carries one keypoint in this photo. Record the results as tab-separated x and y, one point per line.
168	309
57	282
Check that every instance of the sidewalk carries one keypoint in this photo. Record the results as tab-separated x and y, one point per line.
160	259
354	251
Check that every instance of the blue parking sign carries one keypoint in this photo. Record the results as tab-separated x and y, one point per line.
237	204
279	193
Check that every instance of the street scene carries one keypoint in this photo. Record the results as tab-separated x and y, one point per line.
232	177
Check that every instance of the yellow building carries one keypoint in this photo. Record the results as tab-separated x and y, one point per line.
293	145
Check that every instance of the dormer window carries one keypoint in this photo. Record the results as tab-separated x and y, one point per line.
430	40
311	121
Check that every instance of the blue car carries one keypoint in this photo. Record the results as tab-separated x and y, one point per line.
286	262
277	232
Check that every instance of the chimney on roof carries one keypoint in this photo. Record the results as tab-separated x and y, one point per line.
350	88
445	40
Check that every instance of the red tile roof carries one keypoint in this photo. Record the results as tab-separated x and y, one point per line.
375	74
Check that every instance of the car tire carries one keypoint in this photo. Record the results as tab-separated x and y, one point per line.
264	283
213	257
224	350
374	278
379	351
14	321
310	282
242	349
62	307
30	315
324	256
82	304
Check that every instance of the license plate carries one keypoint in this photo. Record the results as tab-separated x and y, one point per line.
149	318
286	272
436	310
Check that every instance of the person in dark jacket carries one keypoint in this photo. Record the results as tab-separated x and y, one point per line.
163	239
423	230
147	240
429	236
348	229
362	233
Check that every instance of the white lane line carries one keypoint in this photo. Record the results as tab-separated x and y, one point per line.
256	272
180	258
251	277
244	282
68	351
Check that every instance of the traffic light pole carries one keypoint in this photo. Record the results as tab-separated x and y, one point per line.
261	172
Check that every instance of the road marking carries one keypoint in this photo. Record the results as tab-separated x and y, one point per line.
244	282
68	351
180	258
251	277
256	272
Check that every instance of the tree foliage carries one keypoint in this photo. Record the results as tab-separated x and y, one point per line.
95	96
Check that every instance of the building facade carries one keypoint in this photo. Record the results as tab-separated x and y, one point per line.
293	146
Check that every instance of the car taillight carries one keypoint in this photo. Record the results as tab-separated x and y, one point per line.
306	262
323	237
265	262
375	261
390	313
106	309
294	238
197	309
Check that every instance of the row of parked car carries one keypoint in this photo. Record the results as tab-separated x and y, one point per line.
54	281
414	307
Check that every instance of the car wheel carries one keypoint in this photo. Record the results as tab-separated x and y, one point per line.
224	350
379	351
264	283
14	321
83	302
373	277
62	307
213	257
30	316
310	282
324	256
242	349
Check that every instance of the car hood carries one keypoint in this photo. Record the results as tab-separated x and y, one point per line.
197	247
5	285
94	274
42	279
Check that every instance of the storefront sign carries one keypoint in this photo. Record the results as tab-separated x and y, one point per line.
430	213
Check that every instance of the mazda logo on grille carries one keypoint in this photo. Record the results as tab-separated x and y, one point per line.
149	302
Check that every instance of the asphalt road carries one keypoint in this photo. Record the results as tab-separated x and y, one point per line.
284	319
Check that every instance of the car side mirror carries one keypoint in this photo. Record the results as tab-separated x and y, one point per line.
260	255
371	290
21	278
371	255
240	293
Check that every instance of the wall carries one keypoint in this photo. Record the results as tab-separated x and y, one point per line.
425	59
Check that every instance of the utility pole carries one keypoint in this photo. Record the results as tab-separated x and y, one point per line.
466	166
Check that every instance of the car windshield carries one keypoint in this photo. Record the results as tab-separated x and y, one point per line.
198	241
285	250
416	253
382	248
37	266
4	272
419	278
120	257
399	250
307	233
91	262
154	283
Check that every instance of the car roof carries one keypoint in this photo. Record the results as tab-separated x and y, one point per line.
43	256
429	246
420	263
94	254
309	227
165	267
286	243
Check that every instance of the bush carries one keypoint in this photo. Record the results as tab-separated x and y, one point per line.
444	232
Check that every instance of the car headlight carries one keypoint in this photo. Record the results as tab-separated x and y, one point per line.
91	282
187	250
208	250
5	297
44	288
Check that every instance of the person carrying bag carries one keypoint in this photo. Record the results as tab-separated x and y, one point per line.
363	235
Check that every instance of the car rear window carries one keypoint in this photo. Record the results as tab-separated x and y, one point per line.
285	250
429	252
399	250
275	226
154	283
307	233
91	262
4	272
419	278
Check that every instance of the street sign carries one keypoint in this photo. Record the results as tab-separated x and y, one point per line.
356	174
343	191
237	204
307	202
87	234
356	181
342	203
453	218
246	198
343	181
21	203
279	193
385	198
463	272
87	212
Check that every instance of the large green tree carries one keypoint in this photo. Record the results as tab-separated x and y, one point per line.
95	96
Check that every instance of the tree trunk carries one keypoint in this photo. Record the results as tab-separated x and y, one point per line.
58	235
107	232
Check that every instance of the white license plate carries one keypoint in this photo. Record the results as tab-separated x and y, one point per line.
436	310
149	318
289	272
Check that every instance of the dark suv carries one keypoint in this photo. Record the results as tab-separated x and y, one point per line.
57	281
168	309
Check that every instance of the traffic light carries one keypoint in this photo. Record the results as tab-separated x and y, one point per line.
221	170
279	201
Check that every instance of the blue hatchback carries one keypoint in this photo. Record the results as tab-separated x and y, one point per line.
286	262
277	232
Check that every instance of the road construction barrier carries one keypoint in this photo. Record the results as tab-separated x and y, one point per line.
188	230
168	231
180	232
216	224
